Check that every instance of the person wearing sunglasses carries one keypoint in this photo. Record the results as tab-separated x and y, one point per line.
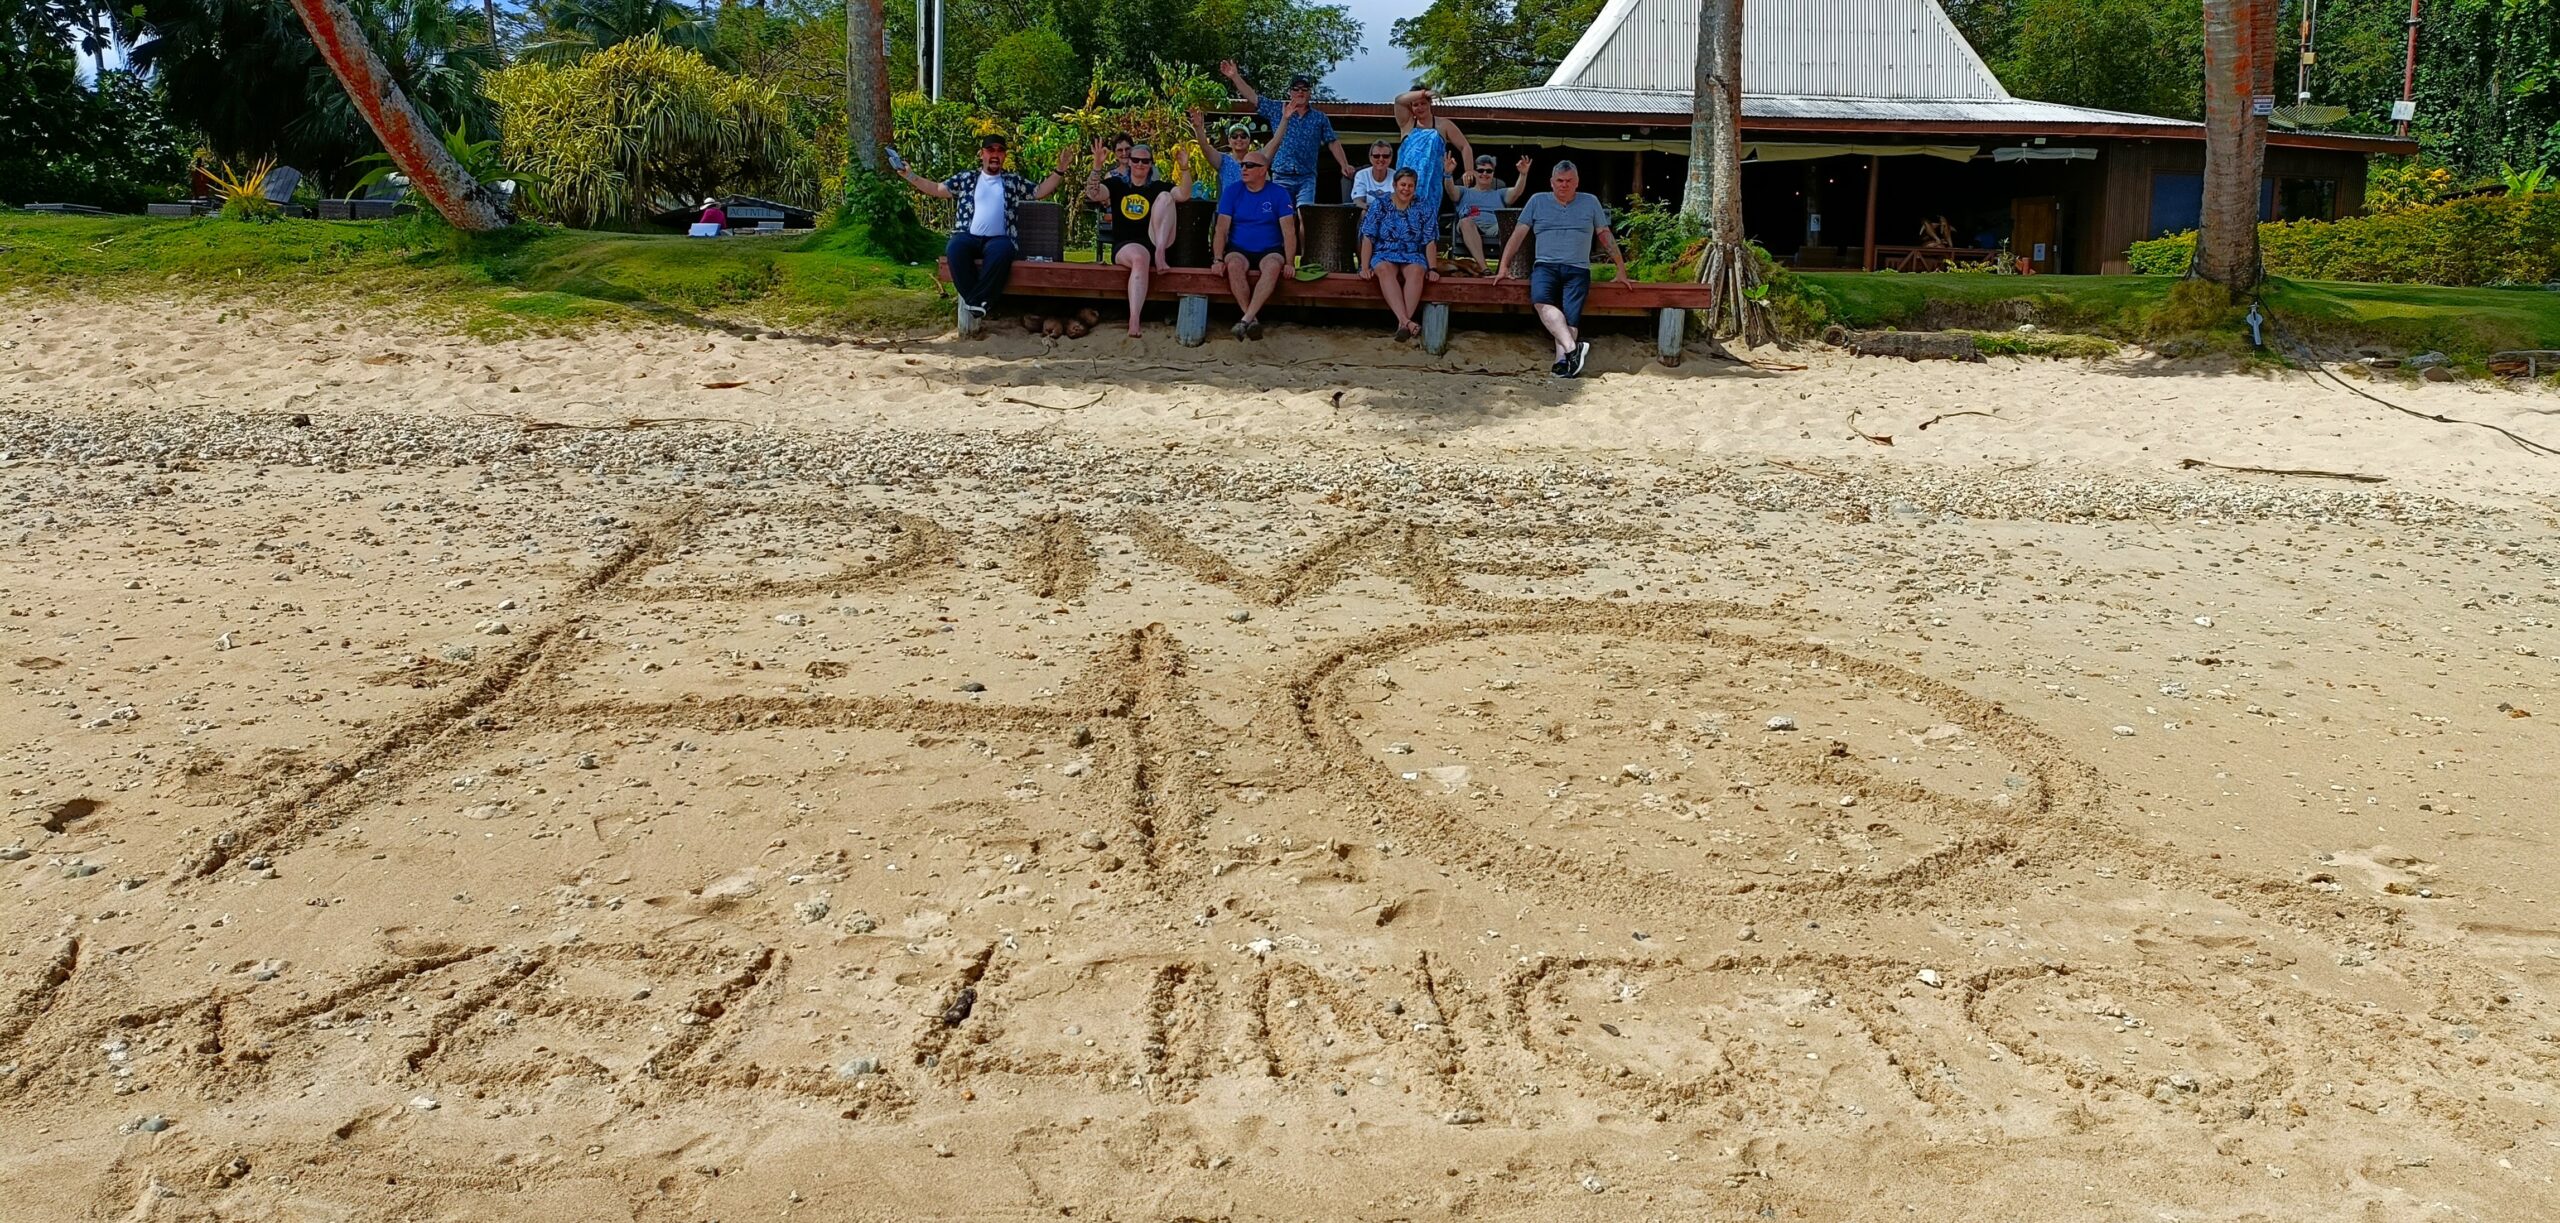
1480	197
1399	243
1377	180
1230	163
1141	219
1255	241
982	245
1311	135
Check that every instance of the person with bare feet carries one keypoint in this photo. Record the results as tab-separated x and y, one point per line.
1399	244
1566	222
1141	219
1480	198
1256	240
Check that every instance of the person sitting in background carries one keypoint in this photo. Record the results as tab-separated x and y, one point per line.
1425	141
1399	243
982	246
1377	180
712	213
1230	164
1565	221
1257	234
1141	221
1293	163
1480	198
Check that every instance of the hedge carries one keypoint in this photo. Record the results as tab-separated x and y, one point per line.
2494	240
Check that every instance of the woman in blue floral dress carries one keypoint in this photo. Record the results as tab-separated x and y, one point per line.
1399	246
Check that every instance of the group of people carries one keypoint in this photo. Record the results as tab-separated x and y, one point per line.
1261	187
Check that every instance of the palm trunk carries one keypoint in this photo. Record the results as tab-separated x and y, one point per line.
2239	63
412	145
1712	196
866	83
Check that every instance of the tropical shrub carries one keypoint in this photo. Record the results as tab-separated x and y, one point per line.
2480	241
642	126
1028	72
2407	183
114	146
243	192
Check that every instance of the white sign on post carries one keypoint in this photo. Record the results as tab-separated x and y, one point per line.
2263	105
2404	111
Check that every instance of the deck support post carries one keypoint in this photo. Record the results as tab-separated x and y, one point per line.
971	324
1875	164
1435	327
1191	321
1670	328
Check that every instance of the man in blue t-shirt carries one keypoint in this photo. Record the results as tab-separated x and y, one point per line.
1257	233
1310	134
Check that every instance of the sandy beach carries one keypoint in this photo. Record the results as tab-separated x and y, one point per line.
689	774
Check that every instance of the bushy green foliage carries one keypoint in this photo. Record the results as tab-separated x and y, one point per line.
1660	243
1478	46
642	126
114	147
1268	39
2479	241
2394	183
1029	72
2144	56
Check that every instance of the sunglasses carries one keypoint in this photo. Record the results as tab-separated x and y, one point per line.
1382	157
1142	161
1255	165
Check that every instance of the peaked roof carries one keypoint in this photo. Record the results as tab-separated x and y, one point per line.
1850	60
1802	48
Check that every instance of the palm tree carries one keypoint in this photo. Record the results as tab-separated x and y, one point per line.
1712	196
2239	63
412	144
572	28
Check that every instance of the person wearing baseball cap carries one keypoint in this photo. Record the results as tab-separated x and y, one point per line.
982	248
1229	161
1294	160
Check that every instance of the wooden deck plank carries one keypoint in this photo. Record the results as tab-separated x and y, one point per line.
1107	282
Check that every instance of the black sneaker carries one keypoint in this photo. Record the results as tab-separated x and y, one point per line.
1559	367
1573	364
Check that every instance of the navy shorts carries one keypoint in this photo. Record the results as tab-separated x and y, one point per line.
1562	286
1253	259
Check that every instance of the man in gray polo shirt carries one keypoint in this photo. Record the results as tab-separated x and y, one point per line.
1565	222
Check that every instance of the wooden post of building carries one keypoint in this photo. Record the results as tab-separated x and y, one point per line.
1635	189
1875	162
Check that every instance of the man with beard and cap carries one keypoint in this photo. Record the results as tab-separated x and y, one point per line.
982	245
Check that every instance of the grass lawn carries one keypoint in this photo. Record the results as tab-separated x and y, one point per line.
525	279
533	279
2467	324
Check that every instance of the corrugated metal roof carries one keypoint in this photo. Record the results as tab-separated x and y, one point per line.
1675	104
1811	48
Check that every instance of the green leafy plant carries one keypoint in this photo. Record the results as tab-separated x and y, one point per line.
478	158
2520	183
2479	241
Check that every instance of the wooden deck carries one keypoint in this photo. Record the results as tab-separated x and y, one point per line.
1471	294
